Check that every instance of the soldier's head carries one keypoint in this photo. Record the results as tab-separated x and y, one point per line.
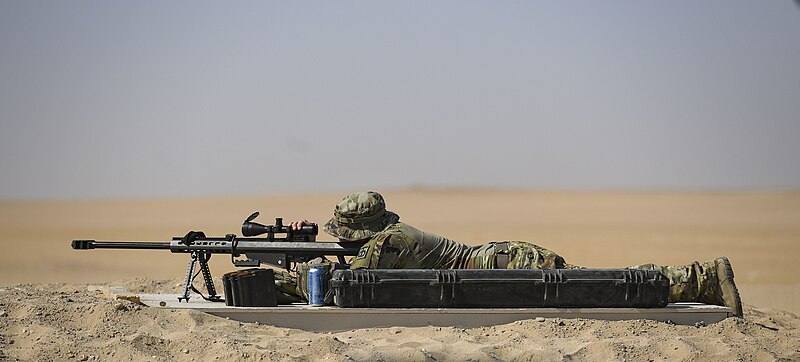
360	216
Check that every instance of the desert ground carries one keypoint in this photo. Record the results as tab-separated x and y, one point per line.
50	310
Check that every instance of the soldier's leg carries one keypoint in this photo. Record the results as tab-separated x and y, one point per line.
513	255
482	257
686	282
710	282
525	255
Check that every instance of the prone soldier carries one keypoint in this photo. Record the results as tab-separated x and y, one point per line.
392	244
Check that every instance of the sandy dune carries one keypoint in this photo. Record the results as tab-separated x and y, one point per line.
758	231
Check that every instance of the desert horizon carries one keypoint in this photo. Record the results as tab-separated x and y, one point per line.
758	230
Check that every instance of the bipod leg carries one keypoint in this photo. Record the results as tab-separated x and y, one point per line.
187	284
212	292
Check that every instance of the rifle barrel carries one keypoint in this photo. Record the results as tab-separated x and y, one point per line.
94	244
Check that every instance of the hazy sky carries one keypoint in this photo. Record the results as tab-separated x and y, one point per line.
105	99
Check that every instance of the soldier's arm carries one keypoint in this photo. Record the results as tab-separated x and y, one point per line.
384	251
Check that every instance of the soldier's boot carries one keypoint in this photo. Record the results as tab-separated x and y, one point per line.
716	286
727	293
710	282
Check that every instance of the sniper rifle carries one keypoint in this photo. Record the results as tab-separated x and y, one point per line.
282	247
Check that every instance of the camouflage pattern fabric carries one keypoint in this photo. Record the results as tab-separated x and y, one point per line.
359	216
519	255
696	282
286	288
401	246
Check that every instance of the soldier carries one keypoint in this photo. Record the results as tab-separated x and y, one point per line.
391	244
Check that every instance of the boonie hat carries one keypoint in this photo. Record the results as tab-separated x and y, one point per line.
360	216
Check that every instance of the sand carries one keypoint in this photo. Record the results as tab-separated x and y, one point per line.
49	312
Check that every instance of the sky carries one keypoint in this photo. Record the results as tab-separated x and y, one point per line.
148	99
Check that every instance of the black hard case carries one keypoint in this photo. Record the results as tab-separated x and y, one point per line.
499	288
250	288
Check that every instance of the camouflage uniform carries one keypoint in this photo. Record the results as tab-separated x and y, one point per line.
401	246
396	245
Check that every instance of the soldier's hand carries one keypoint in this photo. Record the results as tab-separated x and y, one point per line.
296	225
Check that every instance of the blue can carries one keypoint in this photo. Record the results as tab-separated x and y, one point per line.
316	286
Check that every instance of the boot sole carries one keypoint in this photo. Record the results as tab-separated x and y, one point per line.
728	286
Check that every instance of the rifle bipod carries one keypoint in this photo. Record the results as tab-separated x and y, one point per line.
202	257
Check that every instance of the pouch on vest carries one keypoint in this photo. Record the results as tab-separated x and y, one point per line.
302	277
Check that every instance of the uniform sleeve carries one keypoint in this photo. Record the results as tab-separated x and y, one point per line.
365	256
384	251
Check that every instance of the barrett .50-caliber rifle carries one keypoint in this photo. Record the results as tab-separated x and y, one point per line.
282	247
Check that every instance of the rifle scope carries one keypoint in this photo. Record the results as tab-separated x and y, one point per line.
250	228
